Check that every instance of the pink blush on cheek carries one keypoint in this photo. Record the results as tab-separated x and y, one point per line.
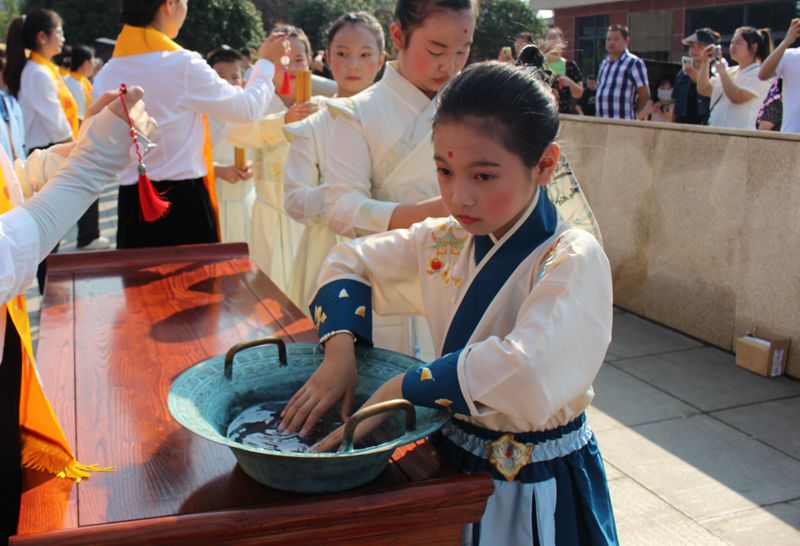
499	204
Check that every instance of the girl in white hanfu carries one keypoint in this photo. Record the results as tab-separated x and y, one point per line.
234	183
356	53
519	304
380	174
274	236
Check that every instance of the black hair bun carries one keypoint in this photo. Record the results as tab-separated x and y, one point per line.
531	56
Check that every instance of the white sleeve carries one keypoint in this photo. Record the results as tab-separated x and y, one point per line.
556	347
19	252
349	207
209	94
303	196
262	133
789	62
41	96
388	262
101	152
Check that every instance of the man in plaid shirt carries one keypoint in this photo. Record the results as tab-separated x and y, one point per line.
622	87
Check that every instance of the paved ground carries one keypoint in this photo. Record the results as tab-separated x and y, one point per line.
698	451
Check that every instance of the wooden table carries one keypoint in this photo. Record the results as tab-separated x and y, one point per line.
116	329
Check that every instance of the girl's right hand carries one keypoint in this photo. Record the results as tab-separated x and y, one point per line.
333	381
300	111
273	48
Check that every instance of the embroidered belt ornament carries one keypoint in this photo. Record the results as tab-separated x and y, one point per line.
508	456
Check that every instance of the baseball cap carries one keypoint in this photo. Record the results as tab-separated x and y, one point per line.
702	35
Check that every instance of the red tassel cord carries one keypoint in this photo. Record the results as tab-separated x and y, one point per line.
286	82
151	203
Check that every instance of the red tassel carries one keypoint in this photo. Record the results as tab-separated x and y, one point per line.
152	205
286	84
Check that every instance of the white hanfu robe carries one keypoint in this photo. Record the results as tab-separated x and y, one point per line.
380	156
304	200
521	326
234	201
274	235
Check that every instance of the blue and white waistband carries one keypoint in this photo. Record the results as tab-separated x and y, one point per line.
511	456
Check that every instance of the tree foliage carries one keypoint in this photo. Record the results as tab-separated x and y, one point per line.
499	22
12	10
209	23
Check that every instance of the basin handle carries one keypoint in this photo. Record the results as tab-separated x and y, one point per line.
254	343
375	409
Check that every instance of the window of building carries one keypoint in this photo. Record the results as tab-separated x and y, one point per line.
726	19
651	33
591	42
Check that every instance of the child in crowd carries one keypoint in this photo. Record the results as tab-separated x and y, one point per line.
519	305
234	184
586	104
379	174
663	108
355	48
274	236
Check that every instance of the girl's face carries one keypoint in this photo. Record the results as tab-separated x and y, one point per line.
354	58
740	52
298	60
485	187
51	44
553	38
436	50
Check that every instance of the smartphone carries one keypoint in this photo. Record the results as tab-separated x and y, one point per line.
717	52
687	62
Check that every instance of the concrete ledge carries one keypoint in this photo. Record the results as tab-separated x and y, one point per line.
702	226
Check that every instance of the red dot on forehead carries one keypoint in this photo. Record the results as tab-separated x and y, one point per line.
450	154
466	31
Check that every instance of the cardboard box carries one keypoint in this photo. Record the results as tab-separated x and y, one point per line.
762	353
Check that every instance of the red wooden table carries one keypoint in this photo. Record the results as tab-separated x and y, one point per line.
116	328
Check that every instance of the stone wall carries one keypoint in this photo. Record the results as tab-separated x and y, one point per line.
702	226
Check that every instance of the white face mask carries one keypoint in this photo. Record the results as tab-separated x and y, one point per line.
665	95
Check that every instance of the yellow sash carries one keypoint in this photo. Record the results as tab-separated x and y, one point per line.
140	40
87	87
68	104
44	445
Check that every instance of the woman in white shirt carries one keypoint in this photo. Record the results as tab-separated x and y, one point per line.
49	110
181	90
736	93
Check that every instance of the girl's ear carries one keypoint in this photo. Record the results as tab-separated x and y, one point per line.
398	36
41	37
544	169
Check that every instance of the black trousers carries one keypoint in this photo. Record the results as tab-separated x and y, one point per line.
190	220
89	224
10	442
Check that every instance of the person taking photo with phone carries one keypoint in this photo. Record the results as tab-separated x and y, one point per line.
736	93
690	106
784	63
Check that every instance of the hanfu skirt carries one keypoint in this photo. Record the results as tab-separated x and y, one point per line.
550	486
190	220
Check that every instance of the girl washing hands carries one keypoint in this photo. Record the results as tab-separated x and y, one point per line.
519	305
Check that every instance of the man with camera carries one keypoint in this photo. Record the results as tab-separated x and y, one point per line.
691	107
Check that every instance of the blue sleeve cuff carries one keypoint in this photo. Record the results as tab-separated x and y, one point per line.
343	305
435	385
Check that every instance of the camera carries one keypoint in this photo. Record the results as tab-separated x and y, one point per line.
717	52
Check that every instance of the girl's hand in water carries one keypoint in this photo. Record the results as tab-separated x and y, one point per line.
390	390
333	381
